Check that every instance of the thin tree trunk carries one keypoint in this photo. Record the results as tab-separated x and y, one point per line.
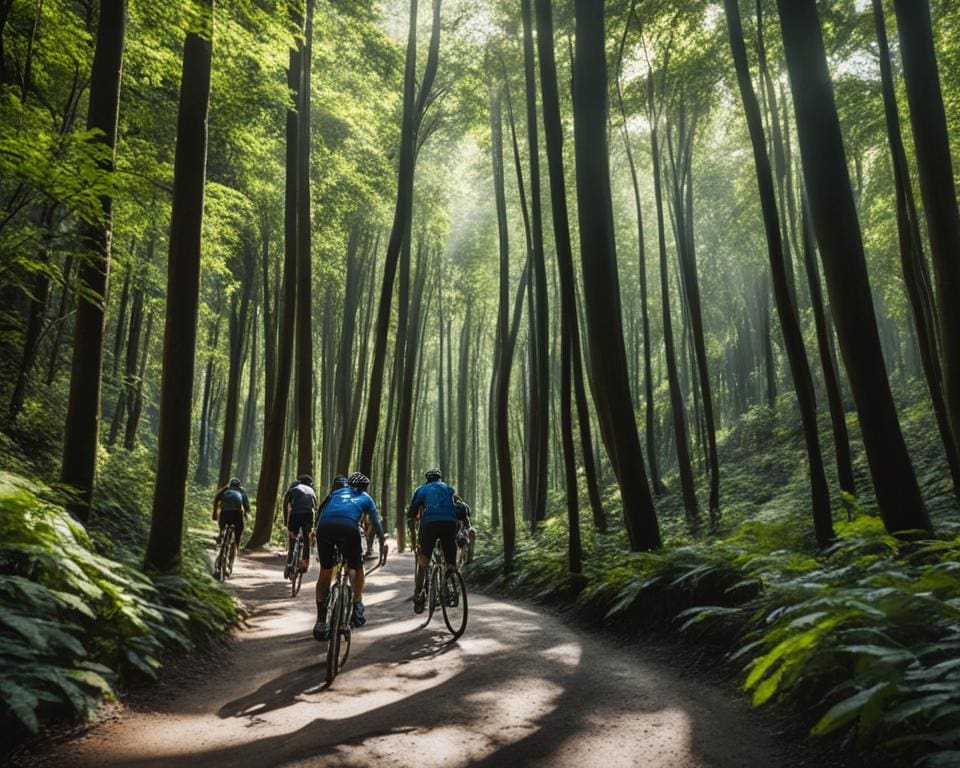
136	405
275	428
789	322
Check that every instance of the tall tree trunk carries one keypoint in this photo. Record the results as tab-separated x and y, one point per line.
569	328
838	417
125	398
275	429
932	144
183	295
83	409
238	330
601	281
841	248
248	427
304	280
136	402
121	321
649	417
540	371
412	113
202	474
677	408
789	321
915	275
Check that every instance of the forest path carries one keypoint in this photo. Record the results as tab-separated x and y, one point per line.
519	688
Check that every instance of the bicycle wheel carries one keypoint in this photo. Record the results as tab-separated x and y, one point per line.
433	593
220	567
297	577
333	644
346	633
453	602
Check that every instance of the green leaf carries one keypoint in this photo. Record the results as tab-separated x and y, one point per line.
842	713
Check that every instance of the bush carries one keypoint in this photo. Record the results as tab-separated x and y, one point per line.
75	624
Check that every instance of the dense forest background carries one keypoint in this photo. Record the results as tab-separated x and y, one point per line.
665	288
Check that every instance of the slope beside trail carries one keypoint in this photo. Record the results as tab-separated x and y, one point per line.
520	688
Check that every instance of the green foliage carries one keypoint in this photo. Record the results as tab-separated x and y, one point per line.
75	625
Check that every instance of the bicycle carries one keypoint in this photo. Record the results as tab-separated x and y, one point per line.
340	613
223	566
446	589
296	575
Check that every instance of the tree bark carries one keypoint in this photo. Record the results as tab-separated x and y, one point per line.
83	409
275	429
789	322
841	249
183	295
600	278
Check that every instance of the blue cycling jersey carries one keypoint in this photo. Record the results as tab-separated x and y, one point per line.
436	501
349	504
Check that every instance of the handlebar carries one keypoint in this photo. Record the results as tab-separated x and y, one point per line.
381	562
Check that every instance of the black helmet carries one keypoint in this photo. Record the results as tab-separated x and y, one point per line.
235	482
305	480
340	481
432	474
358	480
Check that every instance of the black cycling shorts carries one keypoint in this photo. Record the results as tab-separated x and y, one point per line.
234	516
298	520
346	536
446	531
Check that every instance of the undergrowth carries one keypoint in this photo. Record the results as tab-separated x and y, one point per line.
863	639
79	619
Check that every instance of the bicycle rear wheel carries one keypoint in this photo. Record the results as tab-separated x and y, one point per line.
333	644
220	566
433	592
453	602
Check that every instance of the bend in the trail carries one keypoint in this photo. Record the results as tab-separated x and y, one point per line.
519	688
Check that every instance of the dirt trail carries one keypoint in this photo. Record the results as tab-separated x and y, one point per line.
519	688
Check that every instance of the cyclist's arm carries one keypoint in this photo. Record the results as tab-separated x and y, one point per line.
374	518
216	501
415	504
246	503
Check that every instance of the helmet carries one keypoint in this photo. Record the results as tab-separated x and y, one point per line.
340	481
358	480
305	480
432	474
235	482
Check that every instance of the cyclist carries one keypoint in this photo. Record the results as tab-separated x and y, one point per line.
299	503
339	524
230	505
440	518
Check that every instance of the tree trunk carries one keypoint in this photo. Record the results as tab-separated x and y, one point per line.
677	407
569	328
183	294
125	398
937	188
275	428
238	330
304	315
136	403
841	248
914	263
789	322
600	278
83	409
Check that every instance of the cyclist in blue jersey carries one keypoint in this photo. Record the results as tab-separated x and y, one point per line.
229	507
299	503
339	524
440	517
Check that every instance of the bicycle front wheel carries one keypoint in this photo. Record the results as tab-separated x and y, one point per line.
346	609
453	603
333	644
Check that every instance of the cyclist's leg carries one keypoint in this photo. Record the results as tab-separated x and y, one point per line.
447	533
351	545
